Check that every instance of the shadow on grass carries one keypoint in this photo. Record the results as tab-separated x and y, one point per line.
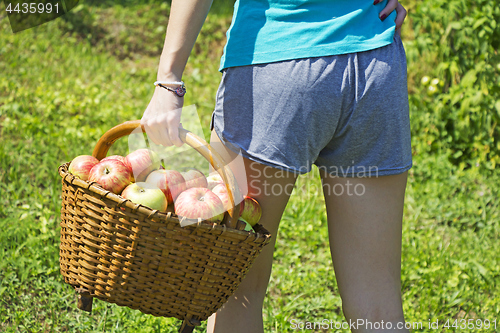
219	7
127	27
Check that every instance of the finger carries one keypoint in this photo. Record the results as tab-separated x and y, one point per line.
148	130
148	122
173	130
391	5
164	134
159	132
150	134
400	18
174	137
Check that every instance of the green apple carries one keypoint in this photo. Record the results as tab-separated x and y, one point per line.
146	194
250	210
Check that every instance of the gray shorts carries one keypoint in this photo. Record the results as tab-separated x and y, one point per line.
347	113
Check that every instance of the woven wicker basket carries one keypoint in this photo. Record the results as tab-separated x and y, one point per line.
128	254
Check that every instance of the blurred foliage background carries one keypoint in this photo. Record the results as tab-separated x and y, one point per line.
460	114
64	83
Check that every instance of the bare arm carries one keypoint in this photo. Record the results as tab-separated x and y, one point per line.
162	116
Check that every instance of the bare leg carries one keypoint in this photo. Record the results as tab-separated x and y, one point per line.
365	232
272	188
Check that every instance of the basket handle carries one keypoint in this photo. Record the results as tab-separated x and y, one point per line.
192	140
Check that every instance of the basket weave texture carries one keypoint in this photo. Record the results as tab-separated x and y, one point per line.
133	256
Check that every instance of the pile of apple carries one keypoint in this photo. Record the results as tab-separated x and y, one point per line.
140	178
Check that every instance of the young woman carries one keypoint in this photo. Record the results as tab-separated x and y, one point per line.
308	82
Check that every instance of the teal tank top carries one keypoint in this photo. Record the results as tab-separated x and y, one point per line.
264	31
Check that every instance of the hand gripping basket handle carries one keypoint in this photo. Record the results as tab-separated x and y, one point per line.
197	143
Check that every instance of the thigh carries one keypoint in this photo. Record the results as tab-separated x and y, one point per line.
272	188
365	231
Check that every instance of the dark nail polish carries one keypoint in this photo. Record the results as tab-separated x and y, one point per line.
383	17
376	2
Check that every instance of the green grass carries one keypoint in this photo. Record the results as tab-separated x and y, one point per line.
65	83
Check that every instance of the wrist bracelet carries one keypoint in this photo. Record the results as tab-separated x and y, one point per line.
179	91
175	83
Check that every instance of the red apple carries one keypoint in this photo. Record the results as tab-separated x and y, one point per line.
146	194
170	182
250	210
114	157
221	191
142	162
213	180
112	175
199	202
194	178
81	166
